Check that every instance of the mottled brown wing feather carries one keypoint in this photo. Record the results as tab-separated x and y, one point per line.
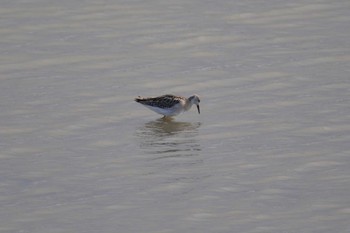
164	101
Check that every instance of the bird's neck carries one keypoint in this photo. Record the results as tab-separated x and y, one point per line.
188	105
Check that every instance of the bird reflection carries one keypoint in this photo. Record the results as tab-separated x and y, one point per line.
166	137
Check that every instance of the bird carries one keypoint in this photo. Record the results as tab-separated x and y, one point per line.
169	105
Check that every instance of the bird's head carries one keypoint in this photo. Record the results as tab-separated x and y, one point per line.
195	100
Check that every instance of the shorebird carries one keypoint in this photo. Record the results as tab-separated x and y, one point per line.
169	105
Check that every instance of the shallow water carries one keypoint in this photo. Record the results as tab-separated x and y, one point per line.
268	153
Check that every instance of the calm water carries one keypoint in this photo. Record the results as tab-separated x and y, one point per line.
269	152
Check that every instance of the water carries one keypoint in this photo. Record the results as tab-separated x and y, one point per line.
268	153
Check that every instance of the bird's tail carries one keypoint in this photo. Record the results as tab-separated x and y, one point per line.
138	99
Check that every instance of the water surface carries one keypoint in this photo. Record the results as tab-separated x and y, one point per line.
268	153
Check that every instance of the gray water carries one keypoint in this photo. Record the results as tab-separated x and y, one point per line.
268	153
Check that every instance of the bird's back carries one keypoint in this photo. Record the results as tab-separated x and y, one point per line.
164	101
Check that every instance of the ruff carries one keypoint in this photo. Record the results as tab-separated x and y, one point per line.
169	105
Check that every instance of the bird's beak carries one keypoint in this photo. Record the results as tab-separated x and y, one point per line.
199	111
